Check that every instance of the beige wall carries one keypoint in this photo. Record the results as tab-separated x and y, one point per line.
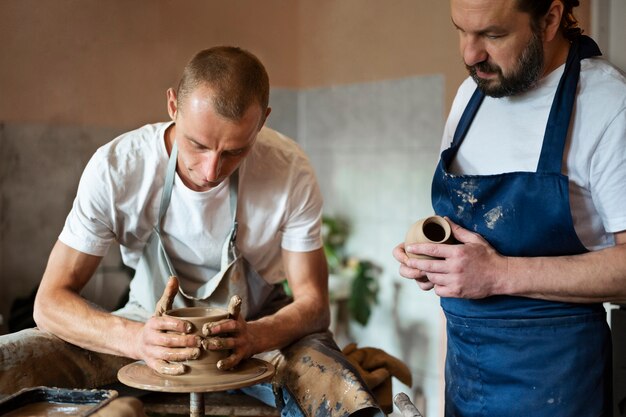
354	41
92	62
89	62
108	63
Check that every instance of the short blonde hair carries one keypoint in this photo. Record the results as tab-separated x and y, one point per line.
236	76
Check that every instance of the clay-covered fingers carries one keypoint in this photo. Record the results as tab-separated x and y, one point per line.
165	302
207	328
230	335
168	368
218	343
225	343
169	332
231	361
234	307
222	326
168	360
169	324
166	339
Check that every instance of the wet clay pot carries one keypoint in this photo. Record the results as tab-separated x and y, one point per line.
433	229
206	364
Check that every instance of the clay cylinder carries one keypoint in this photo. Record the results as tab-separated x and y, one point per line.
433	229
206	363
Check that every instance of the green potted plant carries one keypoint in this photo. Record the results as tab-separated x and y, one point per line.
350	278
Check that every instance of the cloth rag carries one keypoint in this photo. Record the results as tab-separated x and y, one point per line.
377	367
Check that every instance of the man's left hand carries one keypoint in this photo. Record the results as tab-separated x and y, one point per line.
230	334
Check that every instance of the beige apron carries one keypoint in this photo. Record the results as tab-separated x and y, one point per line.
235	275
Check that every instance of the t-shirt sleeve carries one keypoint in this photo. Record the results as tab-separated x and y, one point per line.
608	175
88	225
302	229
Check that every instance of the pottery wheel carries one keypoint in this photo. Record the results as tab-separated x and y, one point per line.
249	372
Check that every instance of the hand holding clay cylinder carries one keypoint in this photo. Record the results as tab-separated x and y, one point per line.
432	229
201	318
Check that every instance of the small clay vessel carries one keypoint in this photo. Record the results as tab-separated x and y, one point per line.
206	363
432	229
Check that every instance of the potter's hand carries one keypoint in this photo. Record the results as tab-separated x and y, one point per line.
472	269
407	271
167	299
162	351
231	333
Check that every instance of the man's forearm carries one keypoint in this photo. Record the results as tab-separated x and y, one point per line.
289	324
598	276
75	320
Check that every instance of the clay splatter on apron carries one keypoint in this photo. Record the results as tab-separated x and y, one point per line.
492	217
468	188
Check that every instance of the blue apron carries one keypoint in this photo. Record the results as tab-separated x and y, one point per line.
517	356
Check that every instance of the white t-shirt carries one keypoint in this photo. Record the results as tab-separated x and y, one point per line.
119	194
507	134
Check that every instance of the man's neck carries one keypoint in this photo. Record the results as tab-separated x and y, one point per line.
555	53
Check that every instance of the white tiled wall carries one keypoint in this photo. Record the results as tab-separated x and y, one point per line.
374	147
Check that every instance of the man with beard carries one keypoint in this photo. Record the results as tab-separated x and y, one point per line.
533	180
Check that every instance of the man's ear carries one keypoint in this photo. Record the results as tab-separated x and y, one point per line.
552	20
267	113
172	103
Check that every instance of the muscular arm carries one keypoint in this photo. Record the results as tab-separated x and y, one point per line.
598	276
307	275
476	270
61	310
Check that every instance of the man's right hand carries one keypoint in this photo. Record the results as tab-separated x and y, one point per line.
399	252
164	341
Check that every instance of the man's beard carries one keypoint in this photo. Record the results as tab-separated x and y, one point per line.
523	78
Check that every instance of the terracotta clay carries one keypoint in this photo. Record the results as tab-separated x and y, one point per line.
206	363
247	372
432	229
201	374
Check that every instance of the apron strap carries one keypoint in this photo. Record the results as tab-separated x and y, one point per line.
461	129
167	186
551	157
229	249
467	117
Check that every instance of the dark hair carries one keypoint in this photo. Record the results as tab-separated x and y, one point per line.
237	78
538	8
